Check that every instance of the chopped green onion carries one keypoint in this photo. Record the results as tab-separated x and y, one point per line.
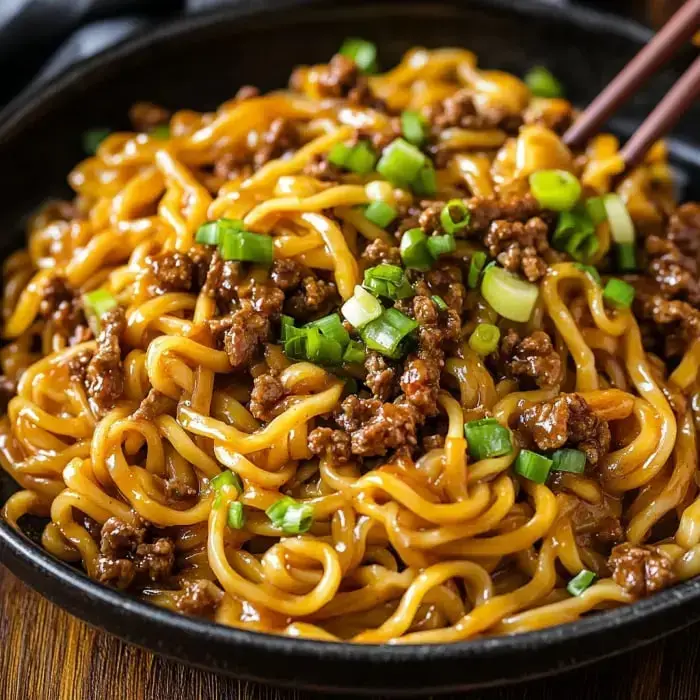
533	466
413	127
414	250
93	138
568	460
426	182
487	438
97	303
386	333
362	158
161	132
387	281
210	233
354	353
288	330
295	348
508	294
331	327
589	270
626	257
621	224
246	246
291	516
582	245
575	234
401	163
439	302
542	83
475	267
363	52
361	308
321	350
555	189
595	206
339	155
226	478
580	582
441	245
380	213
618	294
385	271
454	209
236	517
484	339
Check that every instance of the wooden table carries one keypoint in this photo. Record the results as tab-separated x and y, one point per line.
46	654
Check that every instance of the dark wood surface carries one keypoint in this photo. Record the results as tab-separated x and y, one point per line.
46	654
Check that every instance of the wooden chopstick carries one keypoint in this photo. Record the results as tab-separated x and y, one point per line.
678	30
664	115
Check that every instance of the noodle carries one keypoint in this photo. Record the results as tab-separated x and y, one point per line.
179	445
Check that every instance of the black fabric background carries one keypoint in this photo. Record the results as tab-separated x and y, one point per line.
39	38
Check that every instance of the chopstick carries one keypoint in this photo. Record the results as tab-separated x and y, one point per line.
676	32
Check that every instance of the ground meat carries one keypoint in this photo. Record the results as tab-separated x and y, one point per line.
286	273
222	280
155	404
248	330
420	383
118	544
267	392
354	411
105	375
566	420
145	116
532	360
264	298
519	246
459	110
641	569
557	116
315	298
199	598
334	445
486	210
684	230
119	572
177	490
668	325
444	279
77	367
280	137
322	169
173	271
433	442
391	427
62	305
381	377
675	273
342	79
438	330
232	165
378	252
155	561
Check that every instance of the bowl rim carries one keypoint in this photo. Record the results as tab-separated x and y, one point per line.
19	552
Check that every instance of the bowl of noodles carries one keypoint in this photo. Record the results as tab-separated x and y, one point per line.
358	365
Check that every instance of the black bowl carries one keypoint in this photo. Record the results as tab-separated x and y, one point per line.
200	62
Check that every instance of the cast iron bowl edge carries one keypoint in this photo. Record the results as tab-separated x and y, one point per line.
396	669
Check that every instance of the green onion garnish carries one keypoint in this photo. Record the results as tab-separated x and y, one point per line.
246	246
626	257
339	155
359	158
361	308
475	267
161	132
589	270
413	127
226	478
93	138
487	438
386	333
210	233
97	303
291	516
363	52
580	582
387	281
380	213
288	330
414	250
508	294
484	339
425	184
575	234
236	516
441	245
454	216
354	353
295	348
401	163
596	210
621	224
331	327
618	294
533	466
555	189
321	350
568	460
542	83
439	302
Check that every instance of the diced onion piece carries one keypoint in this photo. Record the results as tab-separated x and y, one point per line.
509	295
361	308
